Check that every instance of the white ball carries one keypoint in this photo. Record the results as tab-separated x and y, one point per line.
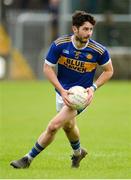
78	97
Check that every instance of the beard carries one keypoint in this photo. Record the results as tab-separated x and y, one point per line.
82	40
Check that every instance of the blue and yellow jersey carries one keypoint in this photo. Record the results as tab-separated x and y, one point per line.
76	66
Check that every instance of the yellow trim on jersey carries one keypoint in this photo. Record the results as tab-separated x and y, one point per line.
95	48
98	46
63	39
77	65
61	42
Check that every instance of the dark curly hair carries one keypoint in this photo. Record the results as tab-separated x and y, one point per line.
80	17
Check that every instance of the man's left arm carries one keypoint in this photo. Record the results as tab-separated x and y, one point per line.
102	79
106	75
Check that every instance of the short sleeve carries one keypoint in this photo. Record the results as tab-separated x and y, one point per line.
53	54
104	58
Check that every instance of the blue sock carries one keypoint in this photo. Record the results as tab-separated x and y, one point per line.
35	150
76	147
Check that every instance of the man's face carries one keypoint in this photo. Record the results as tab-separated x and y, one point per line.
84	32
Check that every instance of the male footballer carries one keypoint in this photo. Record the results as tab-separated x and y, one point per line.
77	57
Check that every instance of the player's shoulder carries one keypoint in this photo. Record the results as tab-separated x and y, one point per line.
97	46
63	40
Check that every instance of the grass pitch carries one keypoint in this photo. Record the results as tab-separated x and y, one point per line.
27	107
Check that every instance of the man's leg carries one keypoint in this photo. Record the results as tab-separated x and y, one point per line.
46	137
72	133
56	123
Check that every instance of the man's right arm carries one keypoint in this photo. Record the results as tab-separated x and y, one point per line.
51	76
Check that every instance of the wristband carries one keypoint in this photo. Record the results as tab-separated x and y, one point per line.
94	87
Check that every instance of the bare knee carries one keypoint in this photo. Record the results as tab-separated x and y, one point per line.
52	128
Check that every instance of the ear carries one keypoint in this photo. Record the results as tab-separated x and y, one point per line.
75	29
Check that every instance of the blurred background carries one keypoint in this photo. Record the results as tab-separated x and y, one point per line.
27	28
